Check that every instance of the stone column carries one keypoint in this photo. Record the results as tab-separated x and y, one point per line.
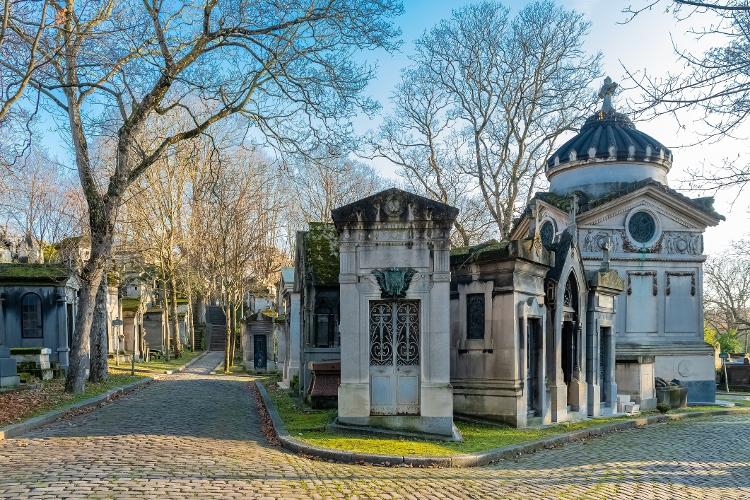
610	368
63	349
295	313
8	374
558	390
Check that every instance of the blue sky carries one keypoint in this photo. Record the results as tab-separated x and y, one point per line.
645	43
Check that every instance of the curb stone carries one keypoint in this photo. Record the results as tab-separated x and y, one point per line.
27	425
467	459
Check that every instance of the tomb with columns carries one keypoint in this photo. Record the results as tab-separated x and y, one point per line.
616	179
597	291
394	326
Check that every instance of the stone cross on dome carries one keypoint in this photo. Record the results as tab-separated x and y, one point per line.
606	93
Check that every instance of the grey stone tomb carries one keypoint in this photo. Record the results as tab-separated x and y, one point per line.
394	295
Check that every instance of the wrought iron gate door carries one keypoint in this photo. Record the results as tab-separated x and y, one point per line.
394	357
260	352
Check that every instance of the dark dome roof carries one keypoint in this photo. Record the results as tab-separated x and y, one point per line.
613	137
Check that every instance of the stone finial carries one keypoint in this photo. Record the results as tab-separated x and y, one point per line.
607	91
606	248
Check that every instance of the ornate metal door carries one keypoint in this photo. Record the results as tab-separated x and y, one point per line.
260	352
394	357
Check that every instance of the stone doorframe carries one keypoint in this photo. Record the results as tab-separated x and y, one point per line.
532	308
559	390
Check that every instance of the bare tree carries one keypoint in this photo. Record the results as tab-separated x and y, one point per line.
235	218
23	25
419	139
507	88
715	84
122	64
727	293
319	186
40	203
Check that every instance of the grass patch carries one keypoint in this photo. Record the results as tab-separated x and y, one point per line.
310	426
50	395
154	367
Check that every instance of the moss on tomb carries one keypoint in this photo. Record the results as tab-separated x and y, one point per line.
323	253
130	304
33	273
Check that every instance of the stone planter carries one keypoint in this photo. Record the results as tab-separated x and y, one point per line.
674	396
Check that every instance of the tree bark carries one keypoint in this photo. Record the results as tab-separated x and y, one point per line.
91	276
165	317
173	313
234	335
99	365
228	345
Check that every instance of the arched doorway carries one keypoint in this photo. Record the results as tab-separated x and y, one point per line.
569	339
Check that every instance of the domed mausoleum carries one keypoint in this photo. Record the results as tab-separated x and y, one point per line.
607	154
609	194
597	292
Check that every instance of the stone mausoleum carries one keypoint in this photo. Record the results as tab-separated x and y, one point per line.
597	292
394	300
609	190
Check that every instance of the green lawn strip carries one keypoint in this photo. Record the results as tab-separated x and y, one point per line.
50	395
155	366
310	426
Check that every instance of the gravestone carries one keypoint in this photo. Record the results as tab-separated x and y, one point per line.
8	375
394	296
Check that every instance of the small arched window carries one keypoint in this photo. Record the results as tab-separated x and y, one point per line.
31	316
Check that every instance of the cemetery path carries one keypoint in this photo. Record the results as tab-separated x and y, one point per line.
198	435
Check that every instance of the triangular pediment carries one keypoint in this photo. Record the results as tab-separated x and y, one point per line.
546	210
680	210
393	205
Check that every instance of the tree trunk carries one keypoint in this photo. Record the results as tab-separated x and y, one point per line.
91	275
234	335
228	346
189	318
173	313
165	317
99	365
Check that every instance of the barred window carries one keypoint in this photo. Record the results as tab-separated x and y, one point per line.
31	316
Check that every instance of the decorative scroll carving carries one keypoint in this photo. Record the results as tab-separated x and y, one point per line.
683	243
381	333
595	240
394	281
655	286
628	245
678	273
407	335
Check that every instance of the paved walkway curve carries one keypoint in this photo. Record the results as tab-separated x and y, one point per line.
198	435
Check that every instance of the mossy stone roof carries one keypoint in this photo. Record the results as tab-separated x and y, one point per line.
480	252
130	304
33	273
322	253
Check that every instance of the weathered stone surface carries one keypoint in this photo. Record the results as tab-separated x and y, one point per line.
193	435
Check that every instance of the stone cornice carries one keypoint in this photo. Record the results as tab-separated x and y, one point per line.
598	214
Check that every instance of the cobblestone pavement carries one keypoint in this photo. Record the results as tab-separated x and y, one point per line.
198	435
